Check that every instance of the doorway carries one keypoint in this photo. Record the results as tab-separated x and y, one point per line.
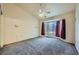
0	24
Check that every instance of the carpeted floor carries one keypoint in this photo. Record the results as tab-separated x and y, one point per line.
39	46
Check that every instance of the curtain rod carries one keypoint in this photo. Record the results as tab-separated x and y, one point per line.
52	20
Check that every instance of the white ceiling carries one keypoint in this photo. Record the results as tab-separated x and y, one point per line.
53	8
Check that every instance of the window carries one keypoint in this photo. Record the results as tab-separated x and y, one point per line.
50	27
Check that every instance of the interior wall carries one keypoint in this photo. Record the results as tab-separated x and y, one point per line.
77	27
19	24
70	25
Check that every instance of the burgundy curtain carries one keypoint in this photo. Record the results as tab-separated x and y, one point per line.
43	29
58	29
63	30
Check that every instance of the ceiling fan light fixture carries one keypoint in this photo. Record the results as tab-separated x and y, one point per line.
41	14
40	10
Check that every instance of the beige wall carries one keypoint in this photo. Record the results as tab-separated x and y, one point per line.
19	24
77	28
70	25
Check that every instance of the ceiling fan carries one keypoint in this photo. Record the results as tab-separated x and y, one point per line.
43	12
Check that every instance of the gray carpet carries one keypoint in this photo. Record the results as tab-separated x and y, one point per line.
39	46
